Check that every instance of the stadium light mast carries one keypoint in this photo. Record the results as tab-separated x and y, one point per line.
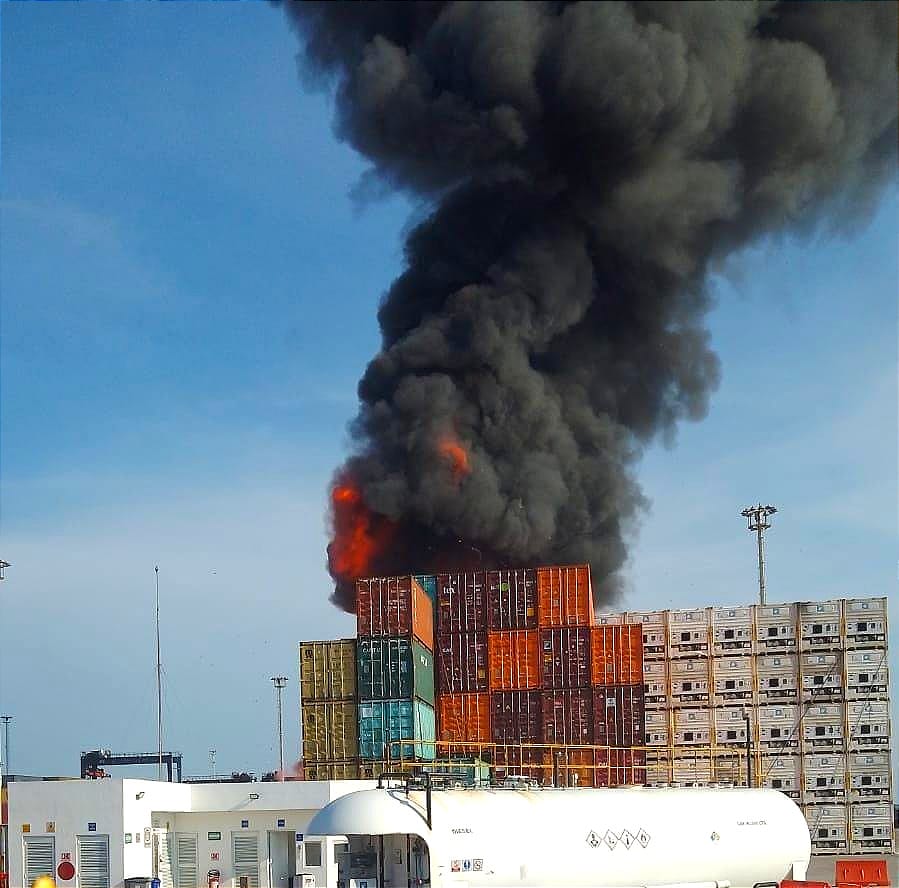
757	517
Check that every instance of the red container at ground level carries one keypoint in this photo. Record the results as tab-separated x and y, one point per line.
616	655
565	657
564	596
568	717
512	599
464	718
522	761
395	606
620	767
513	660
516	717
461	602
619	716
461	663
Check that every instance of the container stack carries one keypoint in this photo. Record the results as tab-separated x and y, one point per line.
807	681
394	670
329	710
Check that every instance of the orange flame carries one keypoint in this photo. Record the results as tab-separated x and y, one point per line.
452	450
359	533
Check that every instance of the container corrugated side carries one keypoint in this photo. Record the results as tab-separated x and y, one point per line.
513	660
564	596
394	606
394	668
385	722
516	716
619	716
616	655
428	582
512	599
568	716
348	770
565	657
462	663
328	670
533	763
329	731
463	718
461	602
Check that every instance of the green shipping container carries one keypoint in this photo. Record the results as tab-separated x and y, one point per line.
384	722
428	583
394	669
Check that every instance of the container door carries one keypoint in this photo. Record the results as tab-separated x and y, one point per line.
245	853
93	861
186	861
281	858
40	858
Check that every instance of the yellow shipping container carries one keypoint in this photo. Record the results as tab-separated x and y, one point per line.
331	771
328	670
330	731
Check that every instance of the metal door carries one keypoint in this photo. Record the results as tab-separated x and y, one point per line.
186	861
280	868
245	853
40	858
93	861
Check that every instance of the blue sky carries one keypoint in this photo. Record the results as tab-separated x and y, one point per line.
189	297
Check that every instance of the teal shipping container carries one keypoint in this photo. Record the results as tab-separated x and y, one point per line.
390	668
384	721
429	584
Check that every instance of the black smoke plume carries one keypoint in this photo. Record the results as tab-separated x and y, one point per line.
585	163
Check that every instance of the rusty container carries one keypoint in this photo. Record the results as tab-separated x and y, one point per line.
531	763
619	716
461	602
565	657
616	655
568	717
516	717
462	663
512	599
564	596
395	606
463	719
513	660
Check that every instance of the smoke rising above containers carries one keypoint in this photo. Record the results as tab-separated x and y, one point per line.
584	165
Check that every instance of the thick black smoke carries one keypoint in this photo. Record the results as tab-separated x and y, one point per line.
586	163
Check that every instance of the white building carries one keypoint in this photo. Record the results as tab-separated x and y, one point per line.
116	833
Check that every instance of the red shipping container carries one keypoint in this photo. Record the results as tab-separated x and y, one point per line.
616	655
619	716
568	717
395	606
461	602
516	717
620	767
577	767
513	660
565	657
522	761
512	599
461	663
464	718
564	596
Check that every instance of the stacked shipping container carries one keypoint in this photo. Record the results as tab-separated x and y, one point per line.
812	679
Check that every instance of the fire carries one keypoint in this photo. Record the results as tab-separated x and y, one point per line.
359	534
452	450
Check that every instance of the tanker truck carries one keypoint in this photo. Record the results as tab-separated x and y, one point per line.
413	836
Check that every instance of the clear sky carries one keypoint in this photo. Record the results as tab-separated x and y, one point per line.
188	300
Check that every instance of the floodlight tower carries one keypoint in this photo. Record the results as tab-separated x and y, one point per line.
758	516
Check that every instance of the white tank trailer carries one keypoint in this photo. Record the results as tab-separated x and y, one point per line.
402	837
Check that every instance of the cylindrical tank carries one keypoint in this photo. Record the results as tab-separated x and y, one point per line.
588	838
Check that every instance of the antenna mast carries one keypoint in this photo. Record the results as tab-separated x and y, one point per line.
158	683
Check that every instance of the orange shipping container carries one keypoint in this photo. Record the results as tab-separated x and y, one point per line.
616	655
564	596
396	606
463	718
513	660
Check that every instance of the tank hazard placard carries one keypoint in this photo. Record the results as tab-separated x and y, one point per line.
467	865
625	838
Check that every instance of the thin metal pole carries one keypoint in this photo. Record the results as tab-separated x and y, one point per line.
757	517
4	762
279	681
158	684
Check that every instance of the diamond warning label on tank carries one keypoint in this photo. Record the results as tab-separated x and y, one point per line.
627	839
592	839
643	837
610	839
